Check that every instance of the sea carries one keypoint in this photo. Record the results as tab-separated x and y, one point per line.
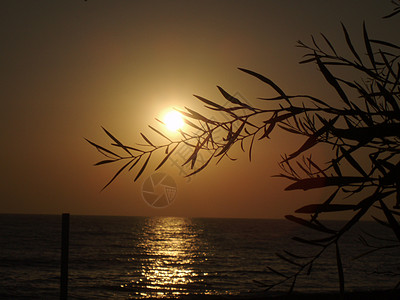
171	257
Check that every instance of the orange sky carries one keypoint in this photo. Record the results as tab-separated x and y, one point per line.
69	67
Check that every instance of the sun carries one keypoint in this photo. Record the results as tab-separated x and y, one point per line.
173	120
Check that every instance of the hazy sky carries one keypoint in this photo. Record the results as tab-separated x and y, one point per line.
70	67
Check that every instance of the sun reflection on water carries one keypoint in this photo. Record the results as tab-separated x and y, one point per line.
171	253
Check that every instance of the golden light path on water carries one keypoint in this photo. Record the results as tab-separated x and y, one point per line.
172	254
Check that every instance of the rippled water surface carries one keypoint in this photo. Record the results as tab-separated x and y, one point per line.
166	257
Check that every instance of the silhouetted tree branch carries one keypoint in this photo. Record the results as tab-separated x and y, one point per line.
363	132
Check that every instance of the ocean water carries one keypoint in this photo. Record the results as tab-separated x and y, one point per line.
168	257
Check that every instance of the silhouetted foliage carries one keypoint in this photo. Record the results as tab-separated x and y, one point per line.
363	132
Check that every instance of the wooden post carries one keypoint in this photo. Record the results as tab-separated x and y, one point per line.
64	257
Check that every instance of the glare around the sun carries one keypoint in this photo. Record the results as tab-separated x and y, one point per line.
173	120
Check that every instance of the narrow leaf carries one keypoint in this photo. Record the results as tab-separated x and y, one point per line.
332	80
201	168
219	107
267	81
348	41
288	260
127	147
135	163
267	131
105	162
232	99
195	115
276	272
251	146
307	60
336	168
160	133
384	43
143	167
147	140
102	149
316	167
368	47
329	43
166	157
117	141
116	174
395	12
191	124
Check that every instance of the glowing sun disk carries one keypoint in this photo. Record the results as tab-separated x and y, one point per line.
173	120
